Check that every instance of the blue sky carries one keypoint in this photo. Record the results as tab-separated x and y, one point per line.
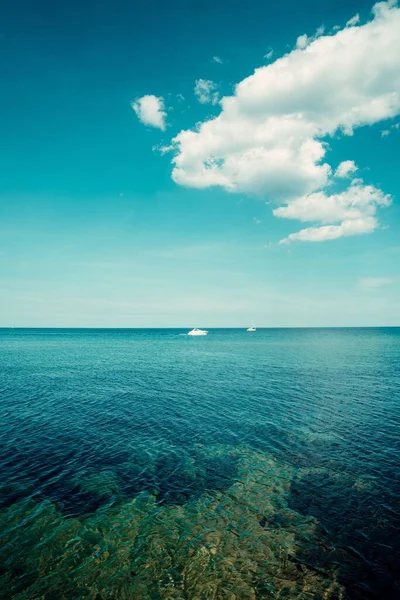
99	230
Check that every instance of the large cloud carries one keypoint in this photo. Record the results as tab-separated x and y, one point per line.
270	136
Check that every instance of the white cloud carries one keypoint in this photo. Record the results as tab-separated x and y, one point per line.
332	232
270	138
206	91
353	21
302	41
386	132
269	54
354	210
370	283
150	111
217	59
356	202
346	169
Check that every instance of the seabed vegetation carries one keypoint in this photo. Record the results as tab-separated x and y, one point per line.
243	541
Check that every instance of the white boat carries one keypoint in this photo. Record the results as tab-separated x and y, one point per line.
252	328
196	331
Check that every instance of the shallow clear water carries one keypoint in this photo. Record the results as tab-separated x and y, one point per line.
148	464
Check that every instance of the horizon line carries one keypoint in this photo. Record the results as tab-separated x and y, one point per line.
244	327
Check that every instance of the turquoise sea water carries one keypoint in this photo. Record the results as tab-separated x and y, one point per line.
148	464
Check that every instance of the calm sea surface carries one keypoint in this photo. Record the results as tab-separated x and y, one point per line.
148	464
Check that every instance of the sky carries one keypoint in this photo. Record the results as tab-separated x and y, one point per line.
201	164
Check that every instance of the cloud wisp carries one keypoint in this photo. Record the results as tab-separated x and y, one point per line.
270	138
394	127
373	283
206	91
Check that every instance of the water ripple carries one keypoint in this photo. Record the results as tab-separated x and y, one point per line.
257	466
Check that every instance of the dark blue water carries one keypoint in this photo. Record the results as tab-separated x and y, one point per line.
148	464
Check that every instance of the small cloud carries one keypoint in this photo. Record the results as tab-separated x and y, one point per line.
372	283
350	212
394	127
150	111
353	21
333	232
206	91
218	60
162	149
302	42
256	221
180	97
345	169
269	54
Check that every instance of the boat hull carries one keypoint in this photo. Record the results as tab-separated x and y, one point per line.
198	332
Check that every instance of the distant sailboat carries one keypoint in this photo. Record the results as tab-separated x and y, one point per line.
252	328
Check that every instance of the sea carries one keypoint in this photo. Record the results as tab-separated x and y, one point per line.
148	464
